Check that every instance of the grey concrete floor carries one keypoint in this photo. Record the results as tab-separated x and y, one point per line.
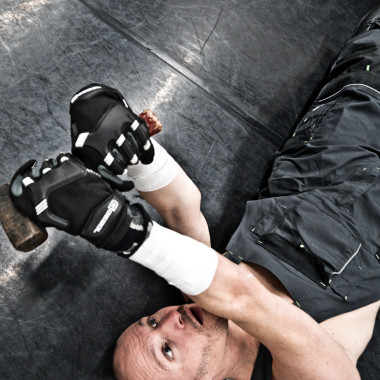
228	79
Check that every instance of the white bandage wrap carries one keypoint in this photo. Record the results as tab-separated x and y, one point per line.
183	262
159	173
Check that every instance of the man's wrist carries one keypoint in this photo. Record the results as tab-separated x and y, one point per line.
156	175
184	262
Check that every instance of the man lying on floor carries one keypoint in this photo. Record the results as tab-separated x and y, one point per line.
302	301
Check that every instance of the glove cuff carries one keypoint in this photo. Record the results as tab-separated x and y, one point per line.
138	231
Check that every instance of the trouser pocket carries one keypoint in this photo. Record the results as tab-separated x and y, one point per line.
315	242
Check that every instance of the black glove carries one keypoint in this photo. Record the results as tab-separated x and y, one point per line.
64	194
106	134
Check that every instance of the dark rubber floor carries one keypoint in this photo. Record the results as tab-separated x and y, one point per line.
228	79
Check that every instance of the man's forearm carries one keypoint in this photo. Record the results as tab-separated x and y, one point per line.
189	222
179	204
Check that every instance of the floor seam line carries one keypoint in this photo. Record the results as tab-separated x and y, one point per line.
230	107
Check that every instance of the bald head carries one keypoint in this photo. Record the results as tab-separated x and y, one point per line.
183	342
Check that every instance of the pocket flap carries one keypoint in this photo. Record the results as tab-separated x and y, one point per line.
315	242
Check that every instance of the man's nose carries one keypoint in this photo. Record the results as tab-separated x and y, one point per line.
173	319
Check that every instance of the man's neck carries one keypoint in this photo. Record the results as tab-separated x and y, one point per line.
241	353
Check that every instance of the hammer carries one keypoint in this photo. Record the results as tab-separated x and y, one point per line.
24	234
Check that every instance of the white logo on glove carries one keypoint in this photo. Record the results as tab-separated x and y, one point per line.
112	207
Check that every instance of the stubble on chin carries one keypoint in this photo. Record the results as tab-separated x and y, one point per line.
218	324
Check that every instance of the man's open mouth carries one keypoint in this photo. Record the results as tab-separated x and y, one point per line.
197	313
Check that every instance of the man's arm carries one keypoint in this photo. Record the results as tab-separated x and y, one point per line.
301	349
179	204
166	187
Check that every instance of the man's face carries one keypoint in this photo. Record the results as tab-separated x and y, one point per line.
177	342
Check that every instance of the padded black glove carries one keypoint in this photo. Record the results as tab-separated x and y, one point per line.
63	193
106	134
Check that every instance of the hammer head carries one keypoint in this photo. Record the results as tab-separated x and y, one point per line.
24	234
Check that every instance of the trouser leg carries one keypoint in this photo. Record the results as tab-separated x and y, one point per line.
357	63
338	139
344	117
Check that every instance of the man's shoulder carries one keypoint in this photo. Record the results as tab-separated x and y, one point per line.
359	323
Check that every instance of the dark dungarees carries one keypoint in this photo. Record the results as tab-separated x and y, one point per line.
318	230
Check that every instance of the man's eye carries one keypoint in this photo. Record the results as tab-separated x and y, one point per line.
167	351
152	322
